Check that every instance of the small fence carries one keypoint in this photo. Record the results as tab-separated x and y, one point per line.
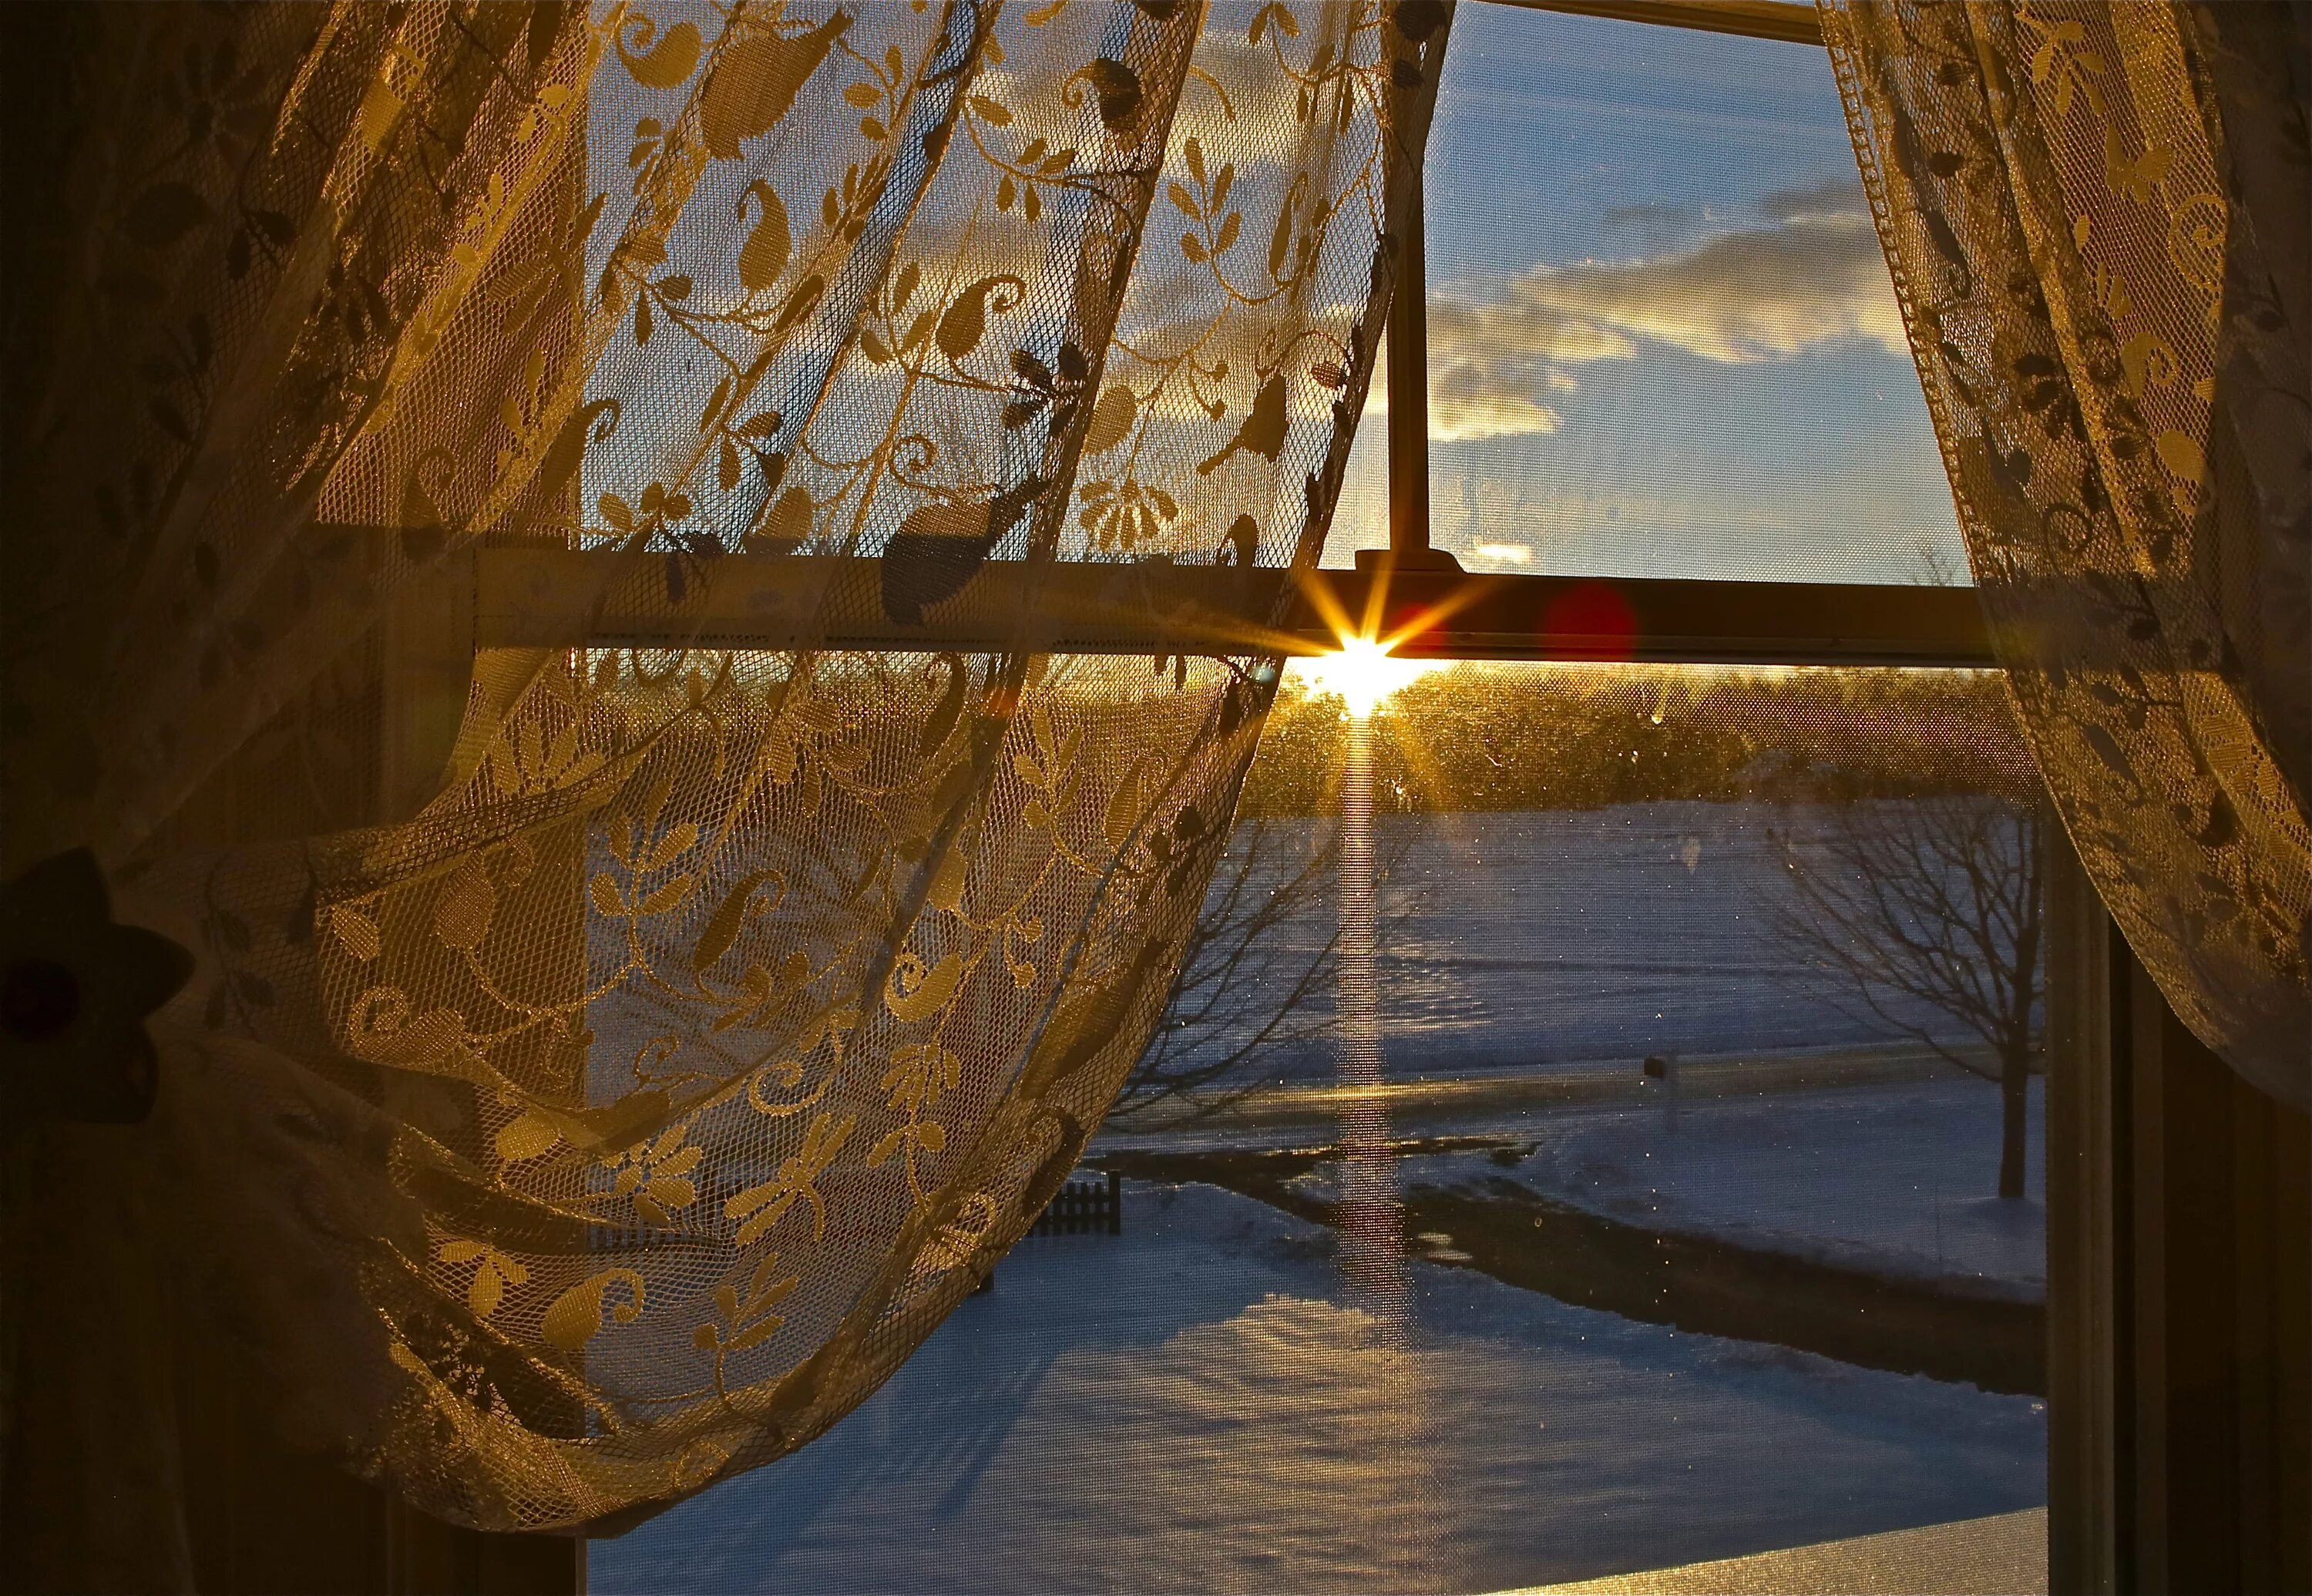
1084	1208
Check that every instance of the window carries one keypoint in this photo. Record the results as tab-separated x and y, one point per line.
1662	341
1703	1248
1685	1218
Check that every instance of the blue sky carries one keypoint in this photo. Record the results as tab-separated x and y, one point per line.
1662	340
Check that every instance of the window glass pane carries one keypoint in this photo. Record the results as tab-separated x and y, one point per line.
1672	1229
1663	341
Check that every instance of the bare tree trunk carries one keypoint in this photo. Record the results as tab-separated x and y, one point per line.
2014	1102
1933	903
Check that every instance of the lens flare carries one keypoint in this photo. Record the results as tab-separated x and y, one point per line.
1363	674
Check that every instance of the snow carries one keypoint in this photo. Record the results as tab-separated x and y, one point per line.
1899	1180
1544	939
1199	1404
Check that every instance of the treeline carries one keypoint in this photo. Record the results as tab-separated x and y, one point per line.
1490	736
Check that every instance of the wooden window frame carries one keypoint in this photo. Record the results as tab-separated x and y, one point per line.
2129	1202
2125	1080
1410	591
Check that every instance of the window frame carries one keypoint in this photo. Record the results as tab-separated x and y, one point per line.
1684	621
1410	592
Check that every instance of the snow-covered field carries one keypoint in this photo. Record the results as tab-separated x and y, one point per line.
1197	1406
1547	939
1898	1180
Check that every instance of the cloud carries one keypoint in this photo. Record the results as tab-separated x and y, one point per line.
1832	196
1468	401
1761	293
1811	274
1471	397
1652	223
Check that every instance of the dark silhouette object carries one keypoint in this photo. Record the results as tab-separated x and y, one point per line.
1118	89
940	547
75	989
756	80
1937	901
1263	432
1083	1208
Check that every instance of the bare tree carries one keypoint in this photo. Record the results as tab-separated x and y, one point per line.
1257	976
1930	906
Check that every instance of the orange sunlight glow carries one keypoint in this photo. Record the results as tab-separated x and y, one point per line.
1362	673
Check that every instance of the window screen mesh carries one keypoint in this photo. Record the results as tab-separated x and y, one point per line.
1699	1234
1662	339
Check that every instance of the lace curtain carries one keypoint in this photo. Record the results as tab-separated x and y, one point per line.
607	1064
2096	219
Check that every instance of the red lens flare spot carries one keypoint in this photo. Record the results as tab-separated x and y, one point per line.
1591	620
1418	627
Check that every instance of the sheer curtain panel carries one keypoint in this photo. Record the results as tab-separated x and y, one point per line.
605	1064
2096	216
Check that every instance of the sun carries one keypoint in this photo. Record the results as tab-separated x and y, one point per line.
1362	673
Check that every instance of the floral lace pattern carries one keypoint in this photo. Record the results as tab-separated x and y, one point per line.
2097	221
629	1102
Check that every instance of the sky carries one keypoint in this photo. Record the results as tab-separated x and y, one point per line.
1662	338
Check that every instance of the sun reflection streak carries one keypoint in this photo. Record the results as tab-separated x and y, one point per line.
1371	1215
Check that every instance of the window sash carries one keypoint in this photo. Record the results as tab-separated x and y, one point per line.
1411	593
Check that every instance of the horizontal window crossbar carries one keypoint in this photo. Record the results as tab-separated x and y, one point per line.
553	597
1752	19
